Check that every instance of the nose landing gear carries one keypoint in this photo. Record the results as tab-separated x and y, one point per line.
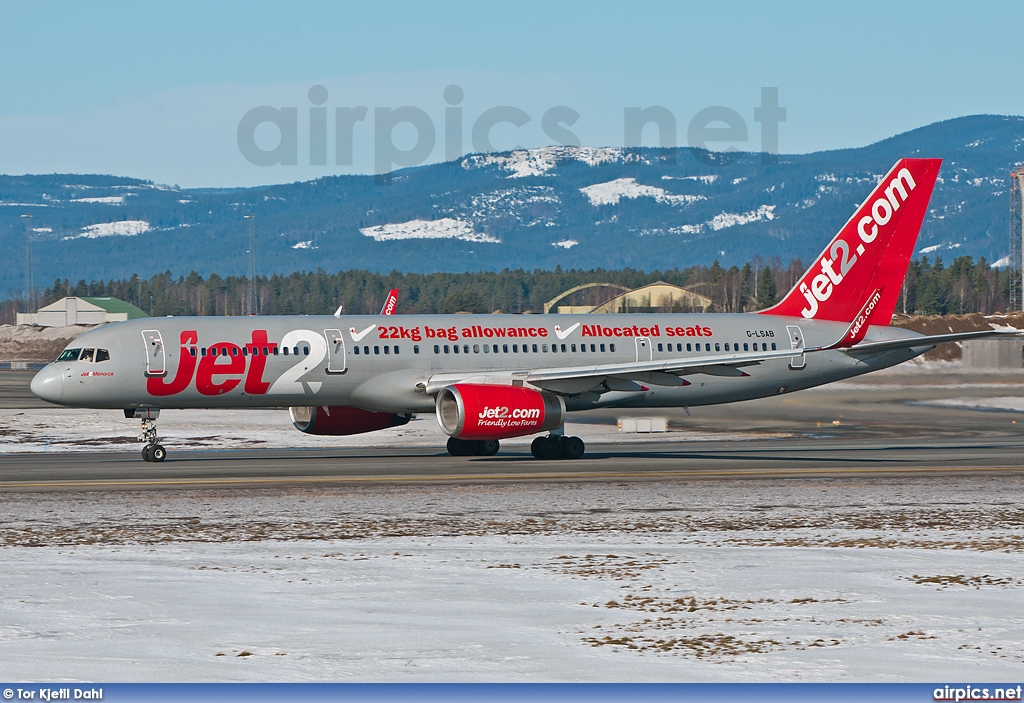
152	451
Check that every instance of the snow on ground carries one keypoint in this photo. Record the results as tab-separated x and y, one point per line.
537	162
65	429
611	192
445	228
1014	404
122	228
729	219
108	200
844	580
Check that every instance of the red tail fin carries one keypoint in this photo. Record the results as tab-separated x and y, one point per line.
391	304
870	254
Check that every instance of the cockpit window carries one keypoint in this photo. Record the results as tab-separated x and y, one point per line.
69	355
88	355
102	355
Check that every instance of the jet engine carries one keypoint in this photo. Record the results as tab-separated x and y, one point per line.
470	411
342	420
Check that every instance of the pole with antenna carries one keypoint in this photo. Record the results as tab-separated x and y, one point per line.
30	288
250	298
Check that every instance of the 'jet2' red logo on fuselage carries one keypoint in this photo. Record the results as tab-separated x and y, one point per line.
216	375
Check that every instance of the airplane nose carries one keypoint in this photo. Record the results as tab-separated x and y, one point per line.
48	384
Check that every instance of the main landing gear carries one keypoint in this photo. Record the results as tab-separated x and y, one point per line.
473	447
152	451
558	447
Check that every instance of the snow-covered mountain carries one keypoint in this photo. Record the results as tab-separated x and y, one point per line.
569	206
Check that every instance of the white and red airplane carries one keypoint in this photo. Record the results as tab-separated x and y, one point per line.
490	377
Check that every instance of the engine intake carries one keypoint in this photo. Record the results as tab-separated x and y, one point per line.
342	420
471	411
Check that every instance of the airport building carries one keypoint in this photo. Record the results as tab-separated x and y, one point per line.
74	310
654	297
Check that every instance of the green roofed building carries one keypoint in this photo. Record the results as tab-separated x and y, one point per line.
81	311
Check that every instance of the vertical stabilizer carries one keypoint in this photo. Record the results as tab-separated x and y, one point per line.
869	257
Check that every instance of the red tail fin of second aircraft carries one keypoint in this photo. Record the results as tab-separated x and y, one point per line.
391	304
869	257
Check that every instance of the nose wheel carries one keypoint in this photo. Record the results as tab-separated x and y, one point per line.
153	451
558	447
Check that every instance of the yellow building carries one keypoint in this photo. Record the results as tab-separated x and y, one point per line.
660	296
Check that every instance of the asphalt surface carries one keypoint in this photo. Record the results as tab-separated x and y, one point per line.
881	425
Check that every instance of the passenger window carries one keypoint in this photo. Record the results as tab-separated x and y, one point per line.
355	350
245	351
305	351
718	347
69	355
476	349
573	347
445	348
396	348
437	349
416	349
544	348
688	347
387	349
504	348
727	346
593	347
773	347
465	348
746	347
660	347
602	347
487	349
366	350
764	346
563	348
284	349
456	348
275	349
104	355
376	349
192	351
534	348
266	352
202	352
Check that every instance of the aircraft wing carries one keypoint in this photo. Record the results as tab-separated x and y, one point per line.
925	341
627	376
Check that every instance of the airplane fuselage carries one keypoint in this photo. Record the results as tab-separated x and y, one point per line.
386	363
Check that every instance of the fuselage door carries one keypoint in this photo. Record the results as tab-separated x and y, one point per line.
643	349
156	355
335	352
796	341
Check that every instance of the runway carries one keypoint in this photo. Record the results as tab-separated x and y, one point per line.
653	461
879	426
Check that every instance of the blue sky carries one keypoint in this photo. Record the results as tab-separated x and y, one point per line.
157	91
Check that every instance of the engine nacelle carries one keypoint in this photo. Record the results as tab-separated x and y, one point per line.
470	411
342	420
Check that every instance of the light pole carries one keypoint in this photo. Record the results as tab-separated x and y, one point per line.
30	292
250	298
